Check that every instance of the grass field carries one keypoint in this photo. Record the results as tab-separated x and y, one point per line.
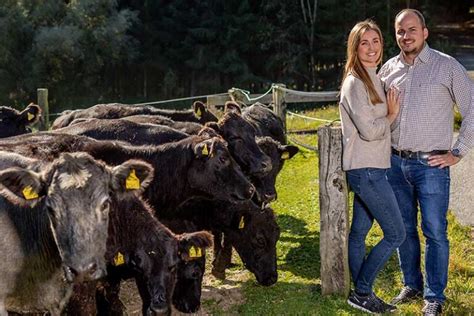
298	289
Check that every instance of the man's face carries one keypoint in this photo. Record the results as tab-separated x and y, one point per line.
410	34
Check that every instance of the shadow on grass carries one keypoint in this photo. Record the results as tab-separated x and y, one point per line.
303	260
292	298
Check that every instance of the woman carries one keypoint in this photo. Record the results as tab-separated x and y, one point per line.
366	115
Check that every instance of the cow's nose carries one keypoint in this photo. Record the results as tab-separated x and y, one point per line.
270	197
158	304
152	311
268	280
158	307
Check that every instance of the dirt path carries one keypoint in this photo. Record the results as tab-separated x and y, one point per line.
216	294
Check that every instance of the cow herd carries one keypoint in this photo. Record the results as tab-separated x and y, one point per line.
116	191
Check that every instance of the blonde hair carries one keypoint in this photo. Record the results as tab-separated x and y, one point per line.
353	64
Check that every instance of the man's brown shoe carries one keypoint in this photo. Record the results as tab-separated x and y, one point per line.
406	294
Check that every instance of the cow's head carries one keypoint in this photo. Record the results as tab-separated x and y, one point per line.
75	191
157	271
202	113
216	174
278	153
191	268
240	136
13	122
254	235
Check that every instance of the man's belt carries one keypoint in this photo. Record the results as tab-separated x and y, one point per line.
406	154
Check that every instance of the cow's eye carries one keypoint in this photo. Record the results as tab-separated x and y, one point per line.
223	159
105	207
172	268
235	139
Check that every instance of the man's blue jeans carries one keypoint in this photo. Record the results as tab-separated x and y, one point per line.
415	183
373	199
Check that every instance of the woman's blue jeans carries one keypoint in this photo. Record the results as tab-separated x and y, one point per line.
416	184
373	199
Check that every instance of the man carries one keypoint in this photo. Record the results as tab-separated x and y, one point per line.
430	84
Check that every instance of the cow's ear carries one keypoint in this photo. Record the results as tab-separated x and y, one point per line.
31	114
21	187
203	149
199	109
132	175
232	106
214	126
287	151
192	246
209	131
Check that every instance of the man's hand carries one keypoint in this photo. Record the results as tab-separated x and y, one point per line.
442	161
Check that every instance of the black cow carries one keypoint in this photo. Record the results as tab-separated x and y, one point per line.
278	153
238	133
241	138
192	128
251	230
254	235
13	122
194	167
187	292
53	224
131	132
265	122
265	193
139	246
199	113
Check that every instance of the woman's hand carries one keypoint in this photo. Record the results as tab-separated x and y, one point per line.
393	104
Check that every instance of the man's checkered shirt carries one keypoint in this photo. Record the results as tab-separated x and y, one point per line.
429	89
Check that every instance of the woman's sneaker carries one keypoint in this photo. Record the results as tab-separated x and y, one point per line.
389	308
370	303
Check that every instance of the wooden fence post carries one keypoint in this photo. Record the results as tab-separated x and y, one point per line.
334	213
43	104
279	104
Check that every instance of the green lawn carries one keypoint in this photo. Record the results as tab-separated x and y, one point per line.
298	289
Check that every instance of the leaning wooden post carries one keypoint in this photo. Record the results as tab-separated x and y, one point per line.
279	104
44	105
334	213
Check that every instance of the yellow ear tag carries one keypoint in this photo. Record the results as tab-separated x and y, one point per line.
132	182
118	259
241	223
205	152
198	113
30	116
195	252
29	194
285	155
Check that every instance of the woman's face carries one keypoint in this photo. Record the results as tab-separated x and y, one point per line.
369	48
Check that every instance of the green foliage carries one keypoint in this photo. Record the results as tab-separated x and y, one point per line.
457	119
65	46
139	50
